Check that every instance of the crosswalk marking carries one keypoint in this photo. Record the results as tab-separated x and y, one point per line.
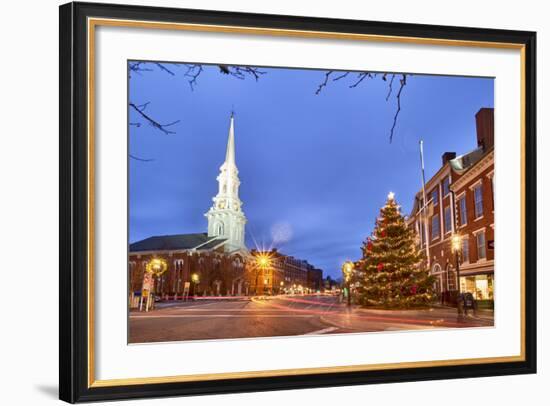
323	331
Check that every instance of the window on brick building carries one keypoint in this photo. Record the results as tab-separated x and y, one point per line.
463	210
465	249
448	220
481	251
446	188
478	201
435	227
435	196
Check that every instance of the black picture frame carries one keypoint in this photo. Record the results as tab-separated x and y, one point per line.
74	383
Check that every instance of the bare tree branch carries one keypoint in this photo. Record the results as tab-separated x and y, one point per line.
140	159
402	82
240	72
390	86
324	84
341	76
152	122
370	75
362	76
164	68
193	72
137	67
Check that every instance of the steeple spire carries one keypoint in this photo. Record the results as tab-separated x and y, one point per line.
230	152
225	218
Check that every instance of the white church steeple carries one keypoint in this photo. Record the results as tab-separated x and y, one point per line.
225	217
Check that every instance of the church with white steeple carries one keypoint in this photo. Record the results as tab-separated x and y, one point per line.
225	218
216	262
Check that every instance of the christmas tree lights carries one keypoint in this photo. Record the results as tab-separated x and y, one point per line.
390	272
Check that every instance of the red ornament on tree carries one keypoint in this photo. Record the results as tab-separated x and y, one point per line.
413	289
380	267
369	246
382	233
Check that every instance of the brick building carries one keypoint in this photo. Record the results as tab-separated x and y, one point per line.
217	272
285	274
217	263
460	202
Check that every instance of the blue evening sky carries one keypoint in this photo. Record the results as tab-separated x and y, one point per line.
314	169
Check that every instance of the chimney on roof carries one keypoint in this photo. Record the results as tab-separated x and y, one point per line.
485	127
447	156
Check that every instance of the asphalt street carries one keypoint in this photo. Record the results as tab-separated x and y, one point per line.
206	319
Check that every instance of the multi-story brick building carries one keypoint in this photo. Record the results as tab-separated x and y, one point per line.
460	203
475	206
284	274
315	279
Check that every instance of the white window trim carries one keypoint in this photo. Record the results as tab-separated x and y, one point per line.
479	182
479	230
458	198
476	233
432	238
445	222
448	177
478	218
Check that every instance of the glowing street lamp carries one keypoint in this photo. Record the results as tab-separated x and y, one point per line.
347	270
195	280
262	262
456	248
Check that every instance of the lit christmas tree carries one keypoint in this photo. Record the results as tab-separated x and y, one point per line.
390	272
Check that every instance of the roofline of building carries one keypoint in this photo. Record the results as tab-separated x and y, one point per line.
466	176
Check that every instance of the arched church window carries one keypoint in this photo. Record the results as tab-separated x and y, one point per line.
219	229
224	189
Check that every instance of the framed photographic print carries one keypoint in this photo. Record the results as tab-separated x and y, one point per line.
258	202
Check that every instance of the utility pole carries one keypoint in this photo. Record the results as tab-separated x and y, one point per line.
424	205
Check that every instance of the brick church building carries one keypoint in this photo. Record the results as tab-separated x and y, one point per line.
211	263
218	263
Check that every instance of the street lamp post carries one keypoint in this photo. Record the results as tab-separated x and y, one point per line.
263	262
195	280
456	247
347	269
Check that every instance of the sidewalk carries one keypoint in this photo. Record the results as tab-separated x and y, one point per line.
364	319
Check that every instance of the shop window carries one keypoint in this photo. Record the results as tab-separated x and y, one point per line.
480	286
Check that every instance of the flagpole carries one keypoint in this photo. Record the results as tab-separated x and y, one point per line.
425	204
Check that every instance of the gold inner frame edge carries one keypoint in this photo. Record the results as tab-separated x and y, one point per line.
92	23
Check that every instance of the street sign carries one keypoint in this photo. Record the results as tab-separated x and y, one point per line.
148	282
186	288
491	244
